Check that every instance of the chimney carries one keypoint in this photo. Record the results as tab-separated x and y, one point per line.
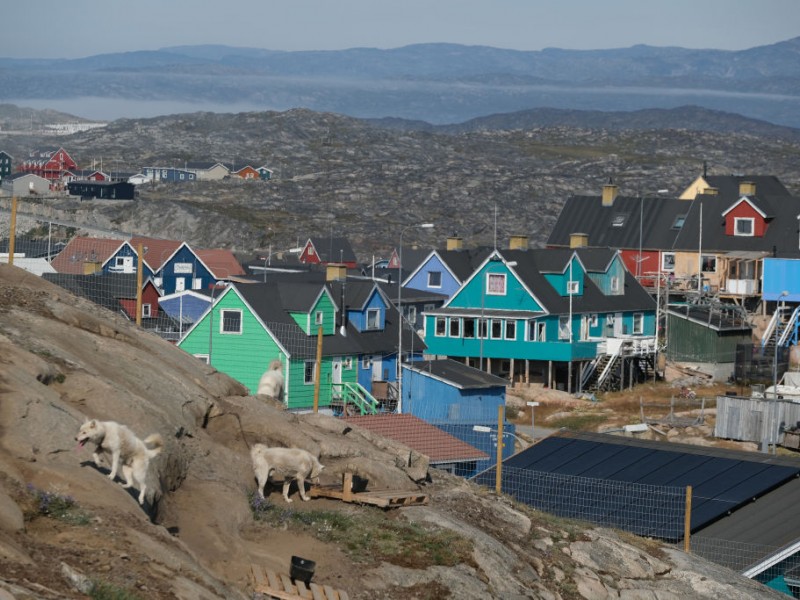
518	242
455	242
711	191
578	240
747	188
335	272
90	267
609	193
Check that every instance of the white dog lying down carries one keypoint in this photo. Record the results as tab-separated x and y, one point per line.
287	463
121	444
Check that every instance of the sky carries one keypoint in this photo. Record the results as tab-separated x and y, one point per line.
57	29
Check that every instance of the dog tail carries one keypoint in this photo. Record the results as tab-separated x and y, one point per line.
154	443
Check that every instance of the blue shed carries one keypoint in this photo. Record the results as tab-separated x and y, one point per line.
450	391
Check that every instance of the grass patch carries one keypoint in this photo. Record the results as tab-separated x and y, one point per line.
579	421
103	590
53	505
371	536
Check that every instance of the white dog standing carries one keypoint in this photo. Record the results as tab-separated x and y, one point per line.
125	449
271	382
289	463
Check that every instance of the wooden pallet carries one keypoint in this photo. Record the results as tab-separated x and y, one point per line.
384	499
282	587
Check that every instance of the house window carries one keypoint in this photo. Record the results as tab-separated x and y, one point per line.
455	327
441	326
435	279
668	261
202	357
469	329
709	263
348	364
231	321
483	328
743	226
197	283
638	323
497	329
618	220
511	329
615	285
318	317
496	284
572	287
308	371
366	363
412	314
536	331
563	328
679	221
593	320
311	250
373	318
119	261
158	281
146	311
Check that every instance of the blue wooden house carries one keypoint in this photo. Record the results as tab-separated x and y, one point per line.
187	306
575	319
443	271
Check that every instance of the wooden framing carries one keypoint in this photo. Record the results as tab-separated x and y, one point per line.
384	499
282	587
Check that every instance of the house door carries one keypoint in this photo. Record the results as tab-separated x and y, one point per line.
618	325
585	327
180	284
336	377
377	369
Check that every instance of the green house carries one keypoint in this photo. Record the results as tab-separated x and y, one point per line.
546	315
252	324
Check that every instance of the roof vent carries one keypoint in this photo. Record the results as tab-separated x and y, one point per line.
747	188
335	272
578	240
518	242
455	242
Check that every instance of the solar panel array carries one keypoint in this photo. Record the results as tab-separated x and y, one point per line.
609	481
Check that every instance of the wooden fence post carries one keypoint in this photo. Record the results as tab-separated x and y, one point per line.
687	521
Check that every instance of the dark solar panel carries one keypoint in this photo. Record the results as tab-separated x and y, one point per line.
638	486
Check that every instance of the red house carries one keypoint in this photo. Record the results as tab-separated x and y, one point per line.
48	163
745	218
322	251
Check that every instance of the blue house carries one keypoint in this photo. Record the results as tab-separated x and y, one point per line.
571	318
187	306
444	271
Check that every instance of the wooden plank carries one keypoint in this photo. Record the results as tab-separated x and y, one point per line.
259	578
343	595
317	592
288	586
330	593
302	590
274	581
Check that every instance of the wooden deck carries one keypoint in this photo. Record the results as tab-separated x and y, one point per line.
382	498
282	587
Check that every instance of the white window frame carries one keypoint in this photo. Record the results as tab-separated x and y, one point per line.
454	332
412	314
373	319
474	329
498	324
197	283
440	327
540	331
750	220
203	357
366	362
147	311
615	288
319	317
594	319
347	363
712	258
431	284
573	287
306	379
500	279
563	328
222	314
510	330
638	319
483	328
664	257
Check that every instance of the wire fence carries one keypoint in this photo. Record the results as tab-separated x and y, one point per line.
461	434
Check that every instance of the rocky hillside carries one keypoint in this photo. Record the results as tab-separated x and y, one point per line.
66	531
348	177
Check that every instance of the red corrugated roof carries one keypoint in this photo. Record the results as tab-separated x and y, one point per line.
223	263
82	250
439	446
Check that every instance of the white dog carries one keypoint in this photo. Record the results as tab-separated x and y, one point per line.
289	463
121	444
271	382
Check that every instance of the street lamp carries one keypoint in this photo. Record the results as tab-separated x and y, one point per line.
400	312
533	405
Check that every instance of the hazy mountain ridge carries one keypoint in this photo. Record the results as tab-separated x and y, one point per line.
438	83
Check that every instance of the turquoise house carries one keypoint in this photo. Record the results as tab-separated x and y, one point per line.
554	316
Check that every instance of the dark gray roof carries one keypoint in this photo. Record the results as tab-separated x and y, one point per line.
464	262
728	185
33	248
103	289
333	249
458	373
529	268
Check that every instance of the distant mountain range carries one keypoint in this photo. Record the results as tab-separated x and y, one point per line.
434	83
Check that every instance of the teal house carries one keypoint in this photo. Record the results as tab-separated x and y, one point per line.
569	318
252	324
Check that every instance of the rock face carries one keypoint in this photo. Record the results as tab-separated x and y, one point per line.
63	360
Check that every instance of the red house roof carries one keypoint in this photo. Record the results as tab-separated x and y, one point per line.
222	263
419	435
